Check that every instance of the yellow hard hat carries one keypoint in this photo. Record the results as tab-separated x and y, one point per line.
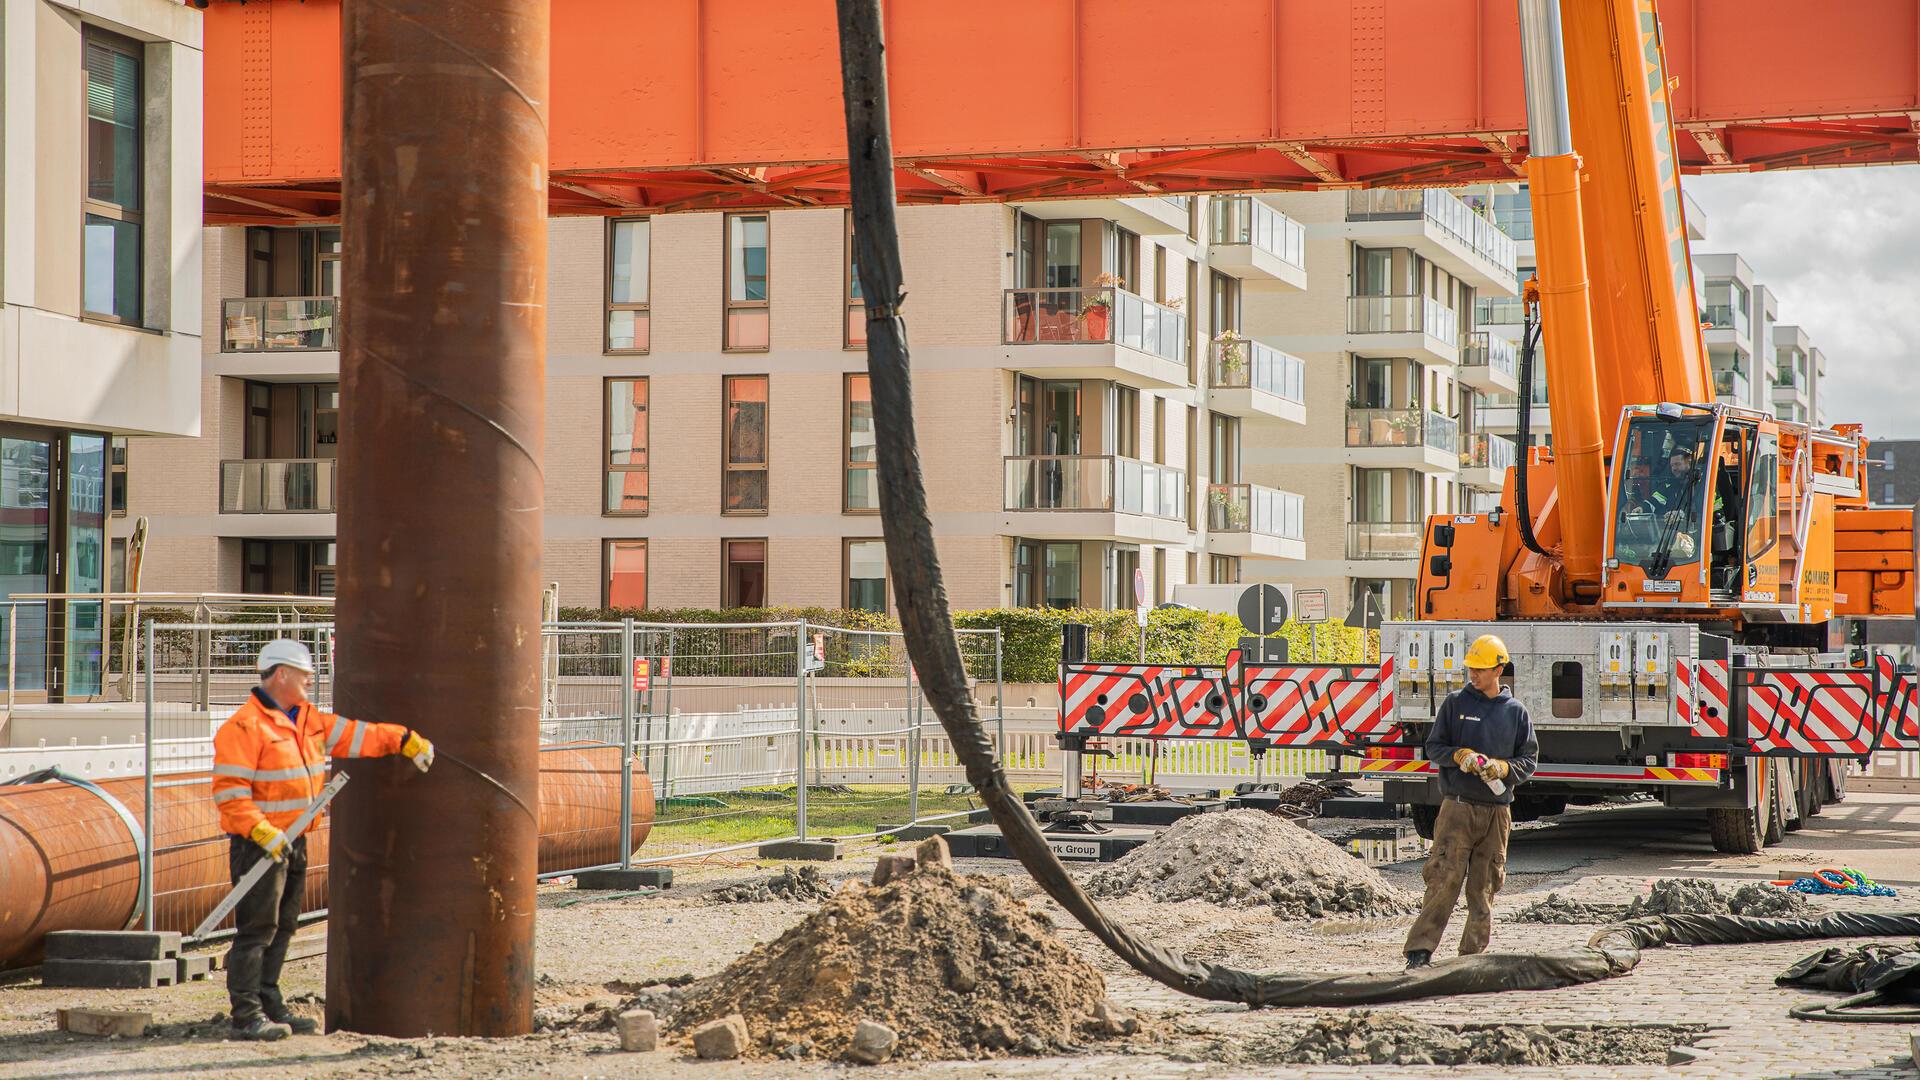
1487	651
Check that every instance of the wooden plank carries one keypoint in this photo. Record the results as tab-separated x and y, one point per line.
125	1023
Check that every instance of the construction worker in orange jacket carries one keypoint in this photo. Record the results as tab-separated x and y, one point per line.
269	762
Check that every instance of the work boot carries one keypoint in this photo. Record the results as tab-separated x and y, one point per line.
259	1029
1419	958
293	1021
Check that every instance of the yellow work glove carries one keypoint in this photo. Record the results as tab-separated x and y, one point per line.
1494	769
417	748
270	839
1462	757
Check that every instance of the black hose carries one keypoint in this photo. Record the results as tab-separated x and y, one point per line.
1523	429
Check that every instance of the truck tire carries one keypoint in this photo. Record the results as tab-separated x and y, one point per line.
1425	817
1806	792
1776	808
1742	830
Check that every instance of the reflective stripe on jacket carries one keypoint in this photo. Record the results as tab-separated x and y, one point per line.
267	767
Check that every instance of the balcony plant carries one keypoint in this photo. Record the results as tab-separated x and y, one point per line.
1406	427
1096	307
1233	352
1225	508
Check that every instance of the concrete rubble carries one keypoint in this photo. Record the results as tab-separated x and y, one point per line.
803	883
1363	1037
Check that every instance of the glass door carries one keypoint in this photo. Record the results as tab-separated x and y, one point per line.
83	565
25	532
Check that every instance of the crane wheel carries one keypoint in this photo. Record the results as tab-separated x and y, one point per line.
1426	816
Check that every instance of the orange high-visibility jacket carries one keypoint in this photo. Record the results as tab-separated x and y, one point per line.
266	767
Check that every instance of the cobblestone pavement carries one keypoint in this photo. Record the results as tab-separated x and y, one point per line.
1601	857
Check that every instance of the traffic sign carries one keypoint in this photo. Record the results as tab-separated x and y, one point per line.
642	675
1140	587
1310	605
1263	609
1366	613
1140	615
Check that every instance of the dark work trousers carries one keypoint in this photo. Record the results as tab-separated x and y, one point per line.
1470	848
264	924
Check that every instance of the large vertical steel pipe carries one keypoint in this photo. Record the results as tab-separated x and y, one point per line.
443	408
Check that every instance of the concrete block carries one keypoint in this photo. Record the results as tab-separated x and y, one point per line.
933	852
802	850
639	877
639	1030
105	1022
112	945
907	833
721	1040
116	974
892	866
872	1043
194	967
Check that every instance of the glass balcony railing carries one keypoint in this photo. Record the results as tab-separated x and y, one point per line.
1184	202
1728	383
1082	316
1481	450
1385	539
1402	427
1482	349
1787	377
280	324
1244	364
277	486
1723	317
1252	508
1402	315
1515	221
1243	219
1445	211
1499	311
1095	482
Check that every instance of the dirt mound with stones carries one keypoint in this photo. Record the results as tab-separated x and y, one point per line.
1245	858
1671	896
956	966
805	884
1378	1038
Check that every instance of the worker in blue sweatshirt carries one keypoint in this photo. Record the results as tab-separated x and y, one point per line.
1483	745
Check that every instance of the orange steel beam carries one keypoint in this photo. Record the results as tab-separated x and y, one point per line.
736	103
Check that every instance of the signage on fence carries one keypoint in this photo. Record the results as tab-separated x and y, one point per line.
817	655
642	675
1310	605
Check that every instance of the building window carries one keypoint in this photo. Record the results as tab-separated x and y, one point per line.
1224	296
743	574
1046	574
626	573
117	565
866	575
1225	457
626	462
862	487
746	282
1225	569
1126	560
111	256
287	567
629	285
117	480
856	303
744	485
1126	421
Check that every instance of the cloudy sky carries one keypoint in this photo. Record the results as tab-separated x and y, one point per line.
1840	248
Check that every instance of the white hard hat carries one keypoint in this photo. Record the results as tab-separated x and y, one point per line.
285	651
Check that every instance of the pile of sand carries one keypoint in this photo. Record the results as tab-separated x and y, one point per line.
805	884
1671	896
1245	858
1379	1038
955	965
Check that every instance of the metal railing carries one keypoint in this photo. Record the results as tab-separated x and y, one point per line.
1385	539
1095	482
1725	317
277	486
1097	315
1499	311
1245	364
1252	508
280	324
1243	219
1489	350
1402	427
1445	211
1403	314
1484	450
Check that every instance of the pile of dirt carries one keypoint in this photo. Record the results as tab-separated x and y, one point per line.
955	965
1671	896
804	884
1246	858
1376	1038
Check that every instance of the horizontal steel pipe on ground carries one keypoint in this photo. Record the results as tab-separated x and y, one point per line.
70	863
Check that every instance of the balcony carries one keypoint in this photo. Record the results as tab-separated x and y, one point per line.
1096	497
1499	311
1403	438
1485	459
1448	232
1149	215
1253	379
1724	323
1731	387
1383	540
1097	333
1254	241
1489	362
277	486
1790	385
1254	522
1403	325
278	336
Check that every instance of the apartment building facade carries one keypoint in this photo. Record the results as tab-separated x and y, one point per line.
100	316
710	426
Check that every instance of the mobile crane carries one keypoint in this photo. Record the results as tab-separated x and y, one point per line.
1676	578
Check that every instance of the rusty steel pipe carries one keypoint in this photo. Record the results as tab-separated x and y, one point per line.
443	391
70	864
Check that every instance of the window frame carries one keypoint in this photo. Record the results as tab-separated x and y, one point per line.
119	452
847	464
728	305
91	207
607	467
727	600
846	572
727	465
607	545
644	308
849	282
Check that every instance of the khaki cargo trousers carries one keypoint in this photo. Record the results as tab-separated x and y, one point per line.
1470	846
